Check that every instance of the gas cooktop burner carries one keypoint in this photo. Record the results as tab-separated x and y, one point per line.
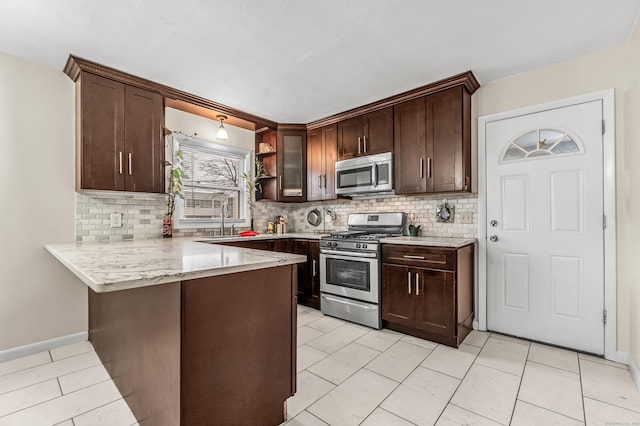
347	235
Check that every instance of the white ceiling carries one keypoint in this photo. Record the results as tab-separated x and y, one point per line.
295	61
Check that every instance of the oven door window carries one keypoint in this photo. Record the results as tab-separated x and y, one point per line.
354	178
349	273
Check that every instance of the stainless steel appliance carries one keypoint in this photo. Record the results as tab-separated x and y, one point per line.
350	267
371	175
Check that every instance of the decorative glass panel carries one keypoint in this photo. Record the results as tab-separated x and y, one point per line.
541	143
528	141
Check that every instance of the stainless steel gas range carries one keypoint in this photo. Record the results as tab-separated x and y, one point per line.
350	267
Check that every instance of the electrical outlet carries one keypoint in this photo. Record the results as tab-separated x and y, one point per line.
466	217
116	220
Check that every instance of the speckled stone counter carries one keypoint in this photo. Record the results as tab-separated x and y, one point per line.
129	264
429	241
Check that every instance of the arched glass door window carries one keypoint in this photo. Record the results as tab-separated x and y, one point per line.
541	143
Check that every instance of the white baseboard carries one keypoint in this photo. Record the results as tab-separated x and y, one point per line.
635	373
45	345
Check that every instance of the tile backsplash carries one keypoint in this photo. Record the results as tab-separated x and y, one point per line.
142	215
420	209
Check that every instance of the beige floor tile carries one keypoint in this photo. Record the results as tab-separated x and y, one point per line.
65	407
81	379
326	324
380	340
450	361
381	417
307	334
552	388
601	414
477	338
600	360
488	392
554	357
116	413
609	384
420	342
48	371
337	339
310	388
399	360
305	318
302	309
422	396
354	399
68	422
530	415
343	363
71	350
503	355
456	416
305	419
510	339
307	356
25	362
315	312
29	396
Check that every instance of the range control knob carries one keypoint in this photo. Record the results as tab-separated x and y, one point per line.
335	244
364	246
358	245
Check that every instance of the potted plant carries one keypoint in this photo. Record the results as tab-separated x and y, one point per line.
253	184
414	230
175	190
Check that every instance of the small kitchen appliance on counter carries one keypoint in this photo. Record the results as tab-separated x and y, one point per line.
350	282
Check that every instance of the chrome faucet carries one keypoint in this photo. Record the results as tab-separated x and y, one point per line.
224	213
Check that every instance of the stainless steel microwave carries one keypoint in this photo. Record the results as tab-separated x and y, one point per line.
371	175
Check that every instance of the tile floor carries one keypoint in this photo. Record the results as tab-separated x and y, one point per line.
352	375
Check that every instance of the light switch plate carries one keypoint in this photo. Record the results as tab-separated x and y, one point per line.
116	220
466	217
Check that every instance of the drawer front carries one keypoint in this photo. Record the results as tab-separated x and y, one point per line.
421	257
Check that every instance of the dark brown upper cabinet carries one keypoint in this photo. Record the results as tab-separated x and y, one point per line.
370	133
322	150
283	154
432	143
120	145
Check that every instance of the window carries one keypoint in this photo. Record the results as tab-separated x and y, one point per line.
212	177
541	143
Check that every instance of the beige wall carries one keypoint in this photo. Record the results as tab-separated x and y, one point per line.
39	298
612	68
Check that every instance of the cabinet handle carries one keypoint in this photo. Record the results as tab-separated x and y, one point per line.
417	284
280	183
408	256
130	164
359	150
120	160
364	138
409	282
429	167
421	168
325	181
319	181
313	268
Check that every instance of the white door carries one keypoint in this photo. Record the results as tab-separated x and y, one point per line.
545	258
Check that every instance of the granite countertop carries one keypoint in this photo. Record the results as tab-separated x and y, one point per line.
129	264
429	241
265	236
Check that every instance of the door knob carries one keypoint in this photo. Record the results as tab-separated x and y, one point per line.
493	223
493	238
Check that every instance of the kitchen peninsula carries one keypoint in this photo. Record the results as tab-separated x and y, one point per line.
192	333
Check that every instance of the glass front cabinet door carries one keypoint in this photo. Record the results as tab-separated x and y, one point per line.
292	165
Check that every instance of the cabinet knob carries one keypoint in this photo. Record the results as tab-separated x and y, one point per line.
493	223
493	238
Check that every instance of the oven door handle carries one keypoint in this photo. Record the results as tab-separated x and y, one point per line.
349	302
374	178
349	255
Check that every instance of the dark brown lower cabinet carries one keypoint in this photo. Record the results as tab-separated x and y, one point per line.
308	273
211	351
428	292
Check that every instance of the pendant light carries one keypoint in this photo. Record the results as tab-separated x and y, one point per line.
222	132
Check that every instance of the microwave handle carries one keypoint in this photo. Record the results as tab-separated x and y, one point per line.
375	175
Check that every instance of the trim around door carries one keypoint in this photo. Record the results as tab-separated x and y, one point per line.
609	185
